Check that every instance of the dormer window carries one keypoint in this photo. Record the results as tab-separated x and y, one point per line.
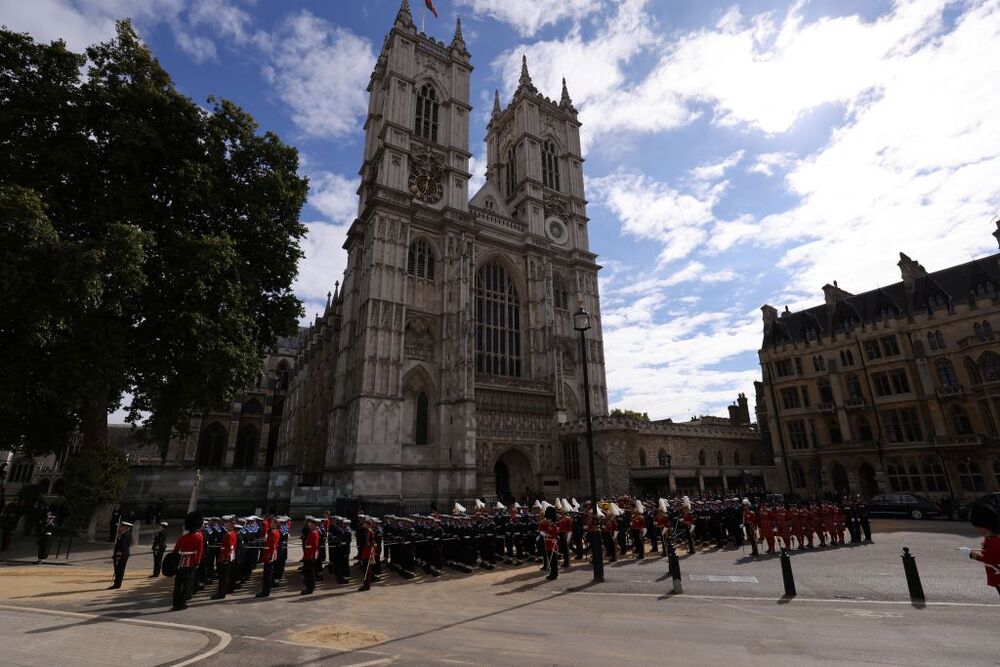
489	205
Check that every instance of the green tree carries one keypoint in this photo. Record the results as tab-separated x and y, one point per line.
630	414
92	478
149	245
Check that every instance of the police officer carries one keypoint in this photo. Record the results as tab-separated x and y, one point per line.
122	550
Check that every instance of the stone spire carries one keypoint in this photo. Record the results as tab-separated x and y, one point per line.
496	109
525	81
566	102
403	17
458	42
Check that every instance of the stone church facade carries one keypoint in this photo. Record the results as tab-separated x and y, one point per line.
446	361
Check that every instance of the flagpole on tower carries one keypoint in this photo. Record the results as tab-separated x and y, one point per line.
423	19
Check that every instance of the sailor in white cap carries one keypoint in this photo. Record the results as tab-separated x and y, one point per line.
121	553
159	548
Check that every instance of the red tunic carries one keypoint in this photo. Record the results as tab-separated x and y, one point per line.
270	553
227	549
638	522
311	548
551	533
565	525
368	550
663	521
191	546
991	556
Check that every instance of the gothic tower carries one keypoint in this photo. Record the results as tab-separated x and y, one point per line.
456	356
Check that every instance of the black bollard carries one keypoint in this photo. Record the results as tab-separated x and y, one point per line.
675	568
786	574
912	576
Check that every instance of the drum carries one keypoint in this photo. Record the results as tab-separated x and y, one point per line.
171	562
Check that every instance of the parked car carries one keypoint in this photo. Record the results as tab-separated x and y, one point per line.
991	499
903	504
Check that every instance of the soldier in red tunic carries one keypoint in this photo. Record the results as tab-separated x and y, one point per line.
368	552
987	524
191	546
816	525
637	526
610	530
663	523
227	554
549	531
310	556
765	521
269	556
750	525
565	526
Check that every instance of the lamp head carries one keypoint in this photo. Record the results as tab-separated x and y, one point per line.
581	319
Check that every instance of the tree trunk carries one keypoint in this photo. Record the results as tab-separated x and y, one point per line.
94	422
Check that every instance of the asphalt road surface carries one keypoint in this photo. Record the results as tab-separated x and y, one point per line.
852	608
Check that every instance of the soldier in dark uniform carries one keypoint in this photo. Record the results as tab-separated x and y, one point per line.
577	534
159	548
122	551
45	528
116	517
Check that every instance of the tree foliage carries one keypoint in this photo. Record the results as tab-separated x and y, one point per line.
630	414
147	245
92	478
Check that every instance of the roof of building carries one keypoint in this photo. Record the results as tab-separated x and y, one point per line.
931	291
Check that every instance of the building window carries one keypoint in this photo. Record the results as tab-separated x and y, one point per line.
790	398
420	260
797	434
805	395
663	458
836	437
798	366
996	470
560	298
719	459
825	391
890	347
22	471
783	367
970	475
854	388
903	425
798	477
498	322
904	476
872	350
247	441
960	421
946	373
701	457
736	458
511	170
426	122
989	366
571	459
935	340
891	382
934	476
212	446
819	364
642	457
986	288
550	165
864	429
421	425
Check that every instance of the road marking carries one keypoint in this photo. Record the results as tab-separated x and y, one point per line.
725	578
316	646
748	598
383	661
224	637
870	613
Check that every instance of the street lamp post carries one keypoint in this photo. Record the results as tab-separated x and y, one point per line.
581	322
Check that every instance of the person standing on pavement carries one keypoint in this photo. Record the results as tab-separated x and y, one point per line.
45	528
116	517
191	546
121	553
987	524
159	548
269	556
227	554
310	556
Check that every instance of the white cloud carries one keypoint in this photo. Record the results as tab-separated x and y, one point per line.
198	47
321	72
713	171
768	163
335	197
527	17
477	167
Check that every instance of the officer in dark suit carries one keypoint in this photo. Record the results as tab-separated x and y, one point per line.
123	548
159	548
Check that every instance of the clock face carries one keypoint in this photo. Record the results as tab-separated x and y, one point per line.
425	187
556	230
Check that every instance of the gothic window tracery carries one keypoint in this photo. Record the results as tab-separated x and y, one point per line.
420	427
426	120
498	322
511	170
420	260
560	298
550	165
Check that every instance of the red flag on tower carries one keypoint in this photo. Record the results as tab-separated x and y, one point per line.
430	6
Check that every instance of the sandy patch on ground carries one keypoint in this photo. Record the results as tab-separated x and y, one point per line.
338	636
67	583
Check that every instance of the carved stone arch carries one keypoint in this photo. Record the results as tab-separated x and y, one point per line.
418	426
571	403
431	241
436	82
509	264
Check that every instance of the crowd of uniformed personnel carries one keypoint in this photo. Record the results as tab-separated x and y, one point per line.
222	553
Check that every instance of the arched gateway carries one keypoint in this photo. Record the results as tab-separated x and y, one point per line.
513	474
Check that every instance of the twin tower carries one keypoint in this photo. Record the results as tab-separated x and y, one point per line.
443	366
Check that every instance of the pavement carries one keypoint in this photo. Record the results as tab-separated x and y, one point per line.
852	607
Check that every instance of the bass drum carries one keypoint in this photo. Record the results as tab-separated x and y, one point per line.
171	561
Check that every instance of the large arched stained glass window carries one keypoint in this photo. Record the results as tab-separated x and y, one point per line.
498	322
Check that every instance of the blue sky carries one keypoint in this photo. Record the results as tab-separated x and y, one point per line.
737	153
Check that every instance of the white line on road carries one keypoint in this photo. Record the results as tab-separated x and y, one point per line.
737	598
317	646
370	663
224	637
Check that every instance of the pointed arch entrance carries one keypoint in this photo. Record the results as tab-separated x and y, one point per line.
513	474
868	486
840	482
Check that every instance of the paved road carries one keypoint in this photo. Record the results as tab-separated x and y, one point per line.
852	609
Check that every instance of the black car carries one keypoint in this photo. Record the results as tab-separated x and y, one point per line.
991	499
903	504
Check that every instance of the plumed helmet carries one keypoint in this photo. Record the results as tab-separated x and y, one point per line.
458	509
662	505
600	513
615	510
479	504
576	505
193	521
517	505
559	505
746	501
686	501
500	506
537	505
638	506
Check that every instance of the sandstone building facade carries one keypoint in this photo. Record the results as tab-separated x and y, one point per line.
892	390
